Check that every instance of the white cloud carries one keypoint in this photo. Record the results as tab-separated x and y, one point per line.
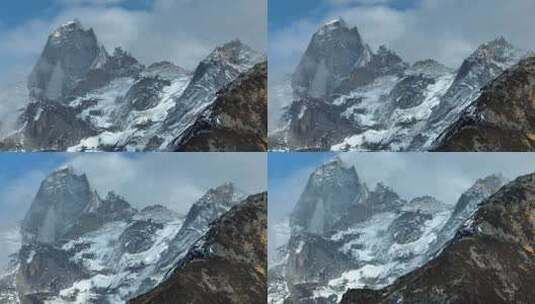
90	2
173	179
443	175
445	30
183	32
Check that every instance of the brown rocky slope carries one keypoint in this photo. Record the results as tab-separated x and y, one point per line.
227	266
490	260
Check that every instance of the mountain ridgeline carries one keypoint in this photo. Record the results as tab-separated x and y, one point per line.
79	247
490	260
82	98
345	235
346	96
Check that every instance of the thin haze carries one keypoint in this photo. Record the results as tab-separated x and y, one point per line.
175	180
443	175
444	30
180	31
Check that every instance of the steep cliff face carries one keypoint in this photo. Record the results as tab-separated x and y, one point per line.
57	206
71	51
344	96
501	119
79	247
228	265
329	194
333	52
490	259
237	120
369	238
83	99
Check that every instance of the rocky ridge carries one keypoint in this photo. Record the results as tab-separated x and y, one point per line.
375	236
345	96
84	99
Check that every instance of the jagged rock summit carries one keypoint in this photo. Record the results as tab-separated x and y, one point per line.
80	247
334	51
344	96
374	236
490	260
331	191
84	99
70	52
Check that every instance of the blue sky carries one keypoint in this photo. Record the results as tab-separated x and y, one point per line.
282	13
172	179
444	30
14	13
443	175
185	32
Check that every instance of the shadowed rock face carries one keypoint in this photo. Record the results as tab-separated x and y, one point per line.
332	190
227	266
501	119
377	102
491	259
374	239
68	56
54	212
84	99
237	120
331	55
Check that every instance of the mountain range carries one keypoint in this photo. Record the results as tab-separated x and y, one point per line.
345	96
80	247
344	235
490	259
82	98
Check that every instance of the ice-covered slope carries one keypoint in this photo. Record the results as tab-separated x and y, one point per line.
374	239
374	100
490	260
226	266
81	248
84	99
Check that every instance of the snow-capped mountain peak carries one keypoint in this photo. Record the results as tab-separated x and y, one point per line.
333	52
64	31
334	171
332	25
83	98
237	54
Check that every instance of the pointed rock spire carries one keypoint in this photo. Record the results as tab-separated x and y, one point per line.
334	51
331	191
69	54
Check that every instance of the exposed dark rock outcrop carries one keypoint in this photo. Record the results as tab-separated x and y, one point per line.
491	260
501	119
236	121
228	265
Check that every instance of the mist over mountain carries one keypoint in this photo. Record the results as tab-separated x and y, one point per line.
83	98
343	234
344	95
490	259
80	246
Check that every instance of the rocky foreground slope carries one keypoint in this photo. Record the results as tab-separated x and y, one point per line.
228	265
490	260
81	98
79	247
501	119
236	121
345	96
344	235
